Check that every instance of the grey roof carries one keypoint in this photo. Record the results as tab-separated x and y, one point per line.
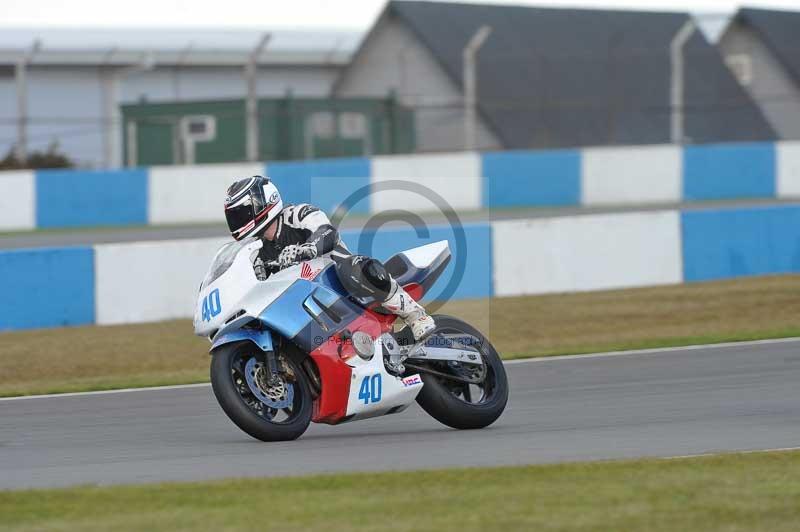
171	46
574	77
780	31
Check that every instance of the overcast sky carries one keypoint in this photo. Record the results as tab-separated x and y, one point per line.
332	14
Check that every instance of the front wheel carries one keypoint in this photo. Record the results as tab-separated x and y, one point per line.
461	395
269	411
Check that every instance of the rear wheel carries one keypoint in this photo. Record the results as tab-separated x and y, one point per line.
457	394
269	411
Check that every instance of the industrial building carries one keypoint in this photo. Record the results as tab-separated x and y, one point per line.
427	77
549	77
74	81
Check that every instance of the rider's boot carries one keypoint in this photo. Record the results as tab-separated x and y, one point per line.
411	312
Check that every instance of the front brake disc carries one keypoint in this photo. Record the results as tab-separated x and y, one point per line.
272	397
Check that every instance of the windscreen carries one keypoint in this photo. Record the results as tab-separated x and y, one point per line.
223	260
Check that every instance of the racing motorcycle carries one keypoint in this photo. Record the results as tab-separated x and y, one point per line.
290	346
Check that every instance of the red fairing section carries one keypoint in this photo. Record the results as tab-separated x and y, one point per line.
331	406
414	290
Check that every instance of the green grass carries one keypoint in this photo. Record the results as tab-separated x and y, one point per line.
730	493
96	358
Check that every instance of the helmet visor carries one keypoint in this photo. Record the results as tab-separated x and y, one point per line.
258	199
240	216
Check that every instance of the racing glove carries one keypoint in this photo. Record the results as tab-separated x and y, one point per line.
292	254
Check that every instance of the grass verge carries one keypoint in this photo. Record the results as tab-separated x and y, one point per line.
734	492
95	358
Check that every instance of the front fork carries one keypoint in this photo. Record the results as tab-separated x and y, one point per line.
272	366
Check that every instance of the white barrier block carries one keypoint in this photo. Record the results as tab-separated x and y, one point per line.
635	174
193	194
787	171
18	200
150	281
596	252
456	177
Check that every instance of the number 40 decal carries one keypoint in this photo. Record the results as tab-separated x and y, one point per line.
370	391
211	305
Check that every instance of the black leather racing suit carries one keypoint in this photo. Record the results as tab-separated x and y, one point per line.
305	224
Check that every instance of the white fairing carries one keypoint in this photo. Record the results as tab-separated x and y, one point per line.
236	290
423	256
395	392
231	286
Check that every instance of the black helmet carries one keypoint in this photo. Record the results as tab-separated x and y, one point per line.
251	204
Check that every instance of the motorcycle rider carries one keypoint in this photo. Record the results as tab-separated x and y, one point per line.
293	233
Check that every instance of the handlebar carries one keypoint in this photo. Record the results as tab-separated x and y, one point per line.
270	267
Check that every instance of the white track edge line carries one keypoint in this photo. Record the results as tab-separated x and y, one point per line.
723	453
655	350
632	352
107	392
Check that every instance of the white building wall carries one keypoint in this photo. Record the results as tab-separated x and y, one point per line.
205	83
8	111
65	106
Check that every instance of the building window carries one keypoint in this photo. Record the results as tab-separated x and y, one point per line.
322	125
742	67
199	128
353	125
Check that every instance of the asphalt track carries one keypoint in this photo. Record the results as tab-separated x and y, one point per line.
105	235
658	403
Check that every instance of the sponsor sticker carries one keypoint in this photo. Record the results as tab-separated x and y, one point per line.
412	380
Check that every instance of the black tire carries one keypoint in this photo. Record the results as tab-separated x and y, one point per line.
438	399
244	416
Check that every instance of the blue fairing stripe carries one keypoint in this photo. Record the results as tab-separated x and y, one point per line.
330	279
286	314
262	338
314	335
300	313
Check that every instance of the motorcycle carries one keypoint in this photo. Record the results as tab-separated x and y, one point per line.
291	346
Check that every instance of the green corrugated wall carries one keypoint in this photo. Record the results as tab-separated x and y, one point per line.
282	129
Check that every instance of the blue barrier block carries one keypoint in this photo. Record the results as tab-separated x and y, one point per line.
46	287
721	244
531	178
326	183
725	171
72	198
475	279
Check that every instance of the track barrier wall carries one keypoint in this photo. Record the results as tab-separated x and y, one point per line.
161	195
151	281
